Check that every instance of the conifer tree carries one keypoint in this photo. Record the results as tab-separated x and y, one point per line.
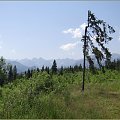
54	67
10	74
31	73
38	70
3	71
46	68
14	72
28	73
42	68
48	71
76	68
80	67
98	31
61	70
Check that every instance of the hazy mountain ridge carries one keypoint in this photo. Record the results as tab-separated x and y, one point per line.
24	64
20	67
38	62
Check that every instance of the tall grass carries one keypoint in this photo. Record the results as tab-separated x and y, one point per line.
33	98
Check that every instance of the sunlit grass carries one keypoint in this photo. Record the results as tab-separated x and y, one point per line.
27	99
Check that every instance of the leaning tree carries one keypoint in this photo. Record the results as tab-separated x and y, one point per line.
96	37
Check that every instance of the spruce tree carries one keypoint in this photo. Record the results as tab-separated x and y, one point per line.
98	31
14	72
61	70
10	74
38	70
3	71
46	68
76	68
28	73
31	73
80	67
42	68
48	71
54	67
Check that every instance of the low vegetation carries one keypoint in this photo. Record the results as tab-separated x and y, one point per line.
59	96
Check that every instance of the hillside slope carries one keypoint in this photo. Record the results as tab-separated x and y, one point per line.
60	97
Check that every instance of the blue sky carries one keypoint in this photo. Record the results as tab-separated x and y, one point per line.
51	29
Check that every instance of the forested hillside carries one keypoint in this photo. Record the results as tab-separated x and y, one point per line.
56	93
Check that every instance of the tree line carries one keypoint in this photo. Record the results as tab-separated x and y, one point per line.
8	73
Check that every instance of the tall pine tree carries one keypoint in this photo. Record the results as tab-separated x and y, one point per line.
54	67
14	72
98	31
3	71
10	74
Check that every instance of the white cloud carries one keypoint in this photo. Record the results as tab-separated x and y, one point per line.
69	46
68	31
76	32
0	47
82	26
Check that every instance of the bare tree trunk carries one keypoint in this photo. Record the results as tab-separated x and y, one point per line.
84	59
84	52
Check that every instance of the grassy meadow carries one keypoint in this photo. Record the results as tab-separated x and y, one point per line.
60	96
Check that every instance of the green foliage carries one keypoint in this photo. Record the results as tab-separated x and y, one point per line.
61	70
42	68
98	31
10	74
59	96
3	71
14	72
54	67
47	70
28	74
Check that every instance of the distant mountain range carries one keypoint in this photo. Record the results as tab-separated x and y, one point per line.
23	64
20	67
